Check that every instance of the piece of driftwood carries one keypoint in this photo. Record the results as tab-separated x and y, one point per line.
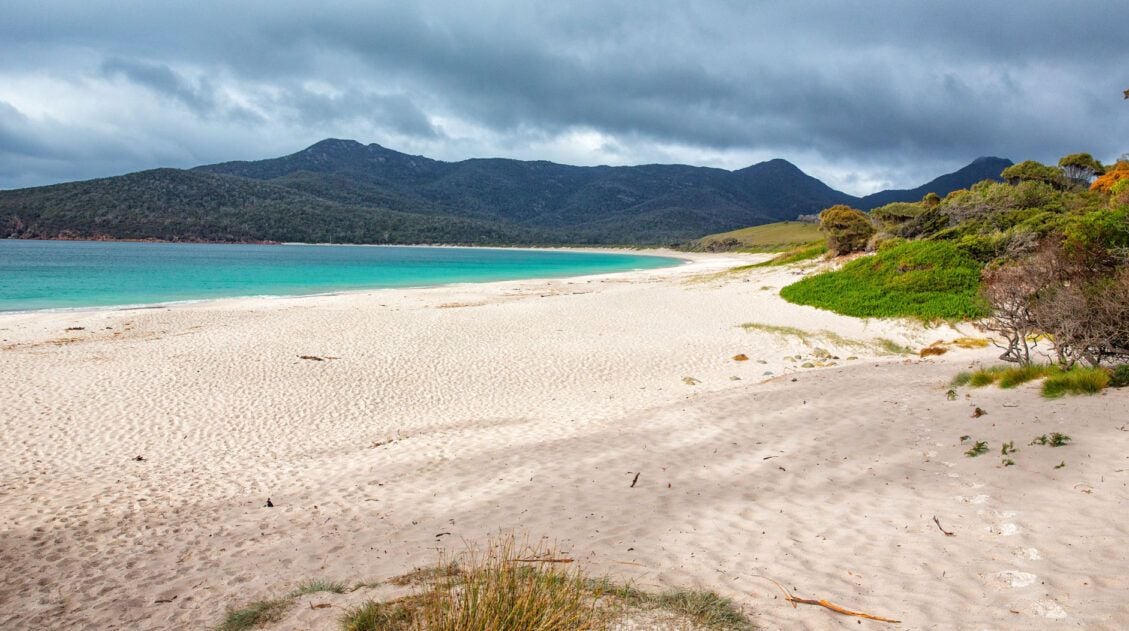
634	481
788	596
938	522
837	609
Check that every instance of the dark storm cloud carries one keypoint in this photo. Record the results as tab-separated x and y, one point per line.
395	110
878	91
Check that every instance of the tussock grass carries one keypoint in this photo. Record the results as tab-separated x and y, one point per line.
319	585
375	615
1077	380
705	609
970	342
1019	375
255	615
1057	382
512	587
927	280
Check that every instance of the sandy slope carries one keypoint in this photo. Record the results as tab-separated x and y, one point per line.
530	406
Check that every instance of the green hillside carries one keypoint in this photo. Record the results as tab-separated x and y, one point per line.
773	237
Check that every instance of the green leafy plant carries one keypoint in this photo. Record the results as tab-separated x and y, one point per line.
1056	439
978	448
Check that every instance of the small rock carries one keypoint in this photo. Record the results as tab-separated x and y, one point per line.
740	357
270	504
819	353
807	365
767	373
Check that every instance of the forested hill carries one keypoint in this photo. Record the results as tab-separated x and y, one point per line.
346	192
984	168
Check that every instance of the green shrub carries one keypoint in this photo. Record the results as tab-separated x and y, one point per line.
1119	375
847	229
1077	380
929	280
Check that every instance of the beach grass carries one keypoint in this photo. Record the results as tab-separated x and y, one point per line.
319	585
1057	382
255	615
1077	380
516	587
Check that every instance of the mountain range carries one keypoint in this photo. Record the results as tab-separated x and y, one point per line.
341	191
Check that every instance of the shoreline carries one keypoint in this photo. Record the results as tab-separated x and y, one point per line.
388	424
652	252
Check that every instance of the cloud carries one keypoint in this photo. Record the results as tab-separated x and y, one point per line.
884	93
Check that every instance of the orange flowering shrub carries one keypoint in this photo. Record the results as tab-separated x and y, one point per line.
1115	174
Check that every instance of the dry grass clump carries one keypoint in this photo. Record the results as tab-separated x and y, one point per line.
970	342
517	587
933	349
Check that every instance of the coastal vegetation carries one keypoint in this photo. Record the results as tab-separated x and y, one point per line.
1042	257
925	280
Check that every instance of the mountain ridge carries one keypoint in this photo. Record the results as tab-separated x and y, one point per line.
340	190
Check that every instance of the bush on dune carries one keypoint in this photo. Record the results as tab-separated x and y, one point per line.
920	279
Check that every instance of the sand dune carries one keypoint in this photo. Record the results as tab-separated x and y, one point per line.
420	418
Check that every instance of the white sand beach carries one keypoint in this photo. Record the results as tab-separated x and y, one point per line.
138	449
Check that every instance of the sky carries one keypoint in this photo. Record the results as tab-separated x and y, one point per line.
863	95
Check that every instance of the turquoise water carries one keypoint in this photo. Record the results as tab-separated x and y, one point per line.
73	274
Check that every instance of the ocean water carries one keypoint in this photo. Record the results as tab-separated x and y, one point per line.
75	274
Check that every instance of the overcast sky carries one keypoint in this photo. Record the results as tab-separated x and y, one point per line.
864	95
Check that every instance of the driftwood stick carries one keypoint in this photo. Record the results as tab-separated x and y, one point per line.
635	480
823	603
837	609
938	522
